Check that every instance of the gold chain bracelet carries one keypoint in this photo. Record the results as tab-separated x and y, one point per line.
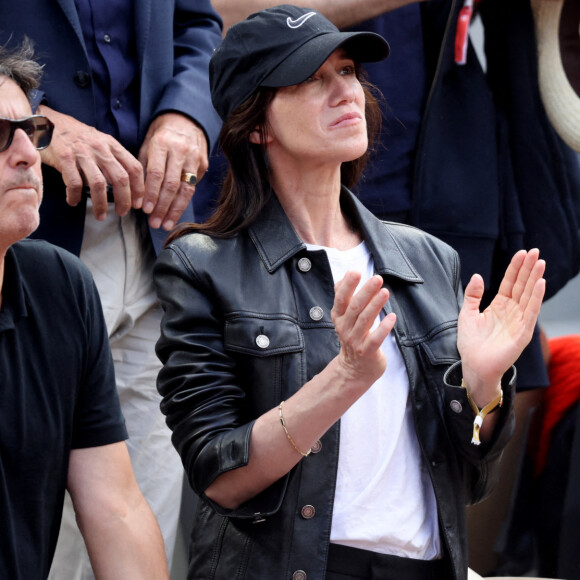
288	434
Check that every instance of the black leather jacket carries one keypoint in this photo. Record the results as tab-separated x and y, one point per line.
219	295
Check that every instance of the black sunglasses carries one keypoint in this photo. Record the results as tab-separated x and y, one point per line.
38	128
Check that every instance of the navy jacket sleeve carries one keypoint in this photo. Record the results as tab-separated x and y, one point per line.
196	33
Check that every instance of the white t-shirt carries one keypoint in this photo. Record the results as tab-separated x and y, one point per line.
384	498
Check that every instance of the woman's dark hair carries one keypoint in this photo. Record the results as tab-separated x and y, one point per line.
246	188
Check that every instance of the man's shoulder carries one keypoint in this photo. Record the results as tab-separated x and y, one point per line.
41	263
33	253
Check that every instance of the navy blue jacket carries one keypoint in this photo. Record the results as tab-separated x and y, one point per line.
175	40
491	174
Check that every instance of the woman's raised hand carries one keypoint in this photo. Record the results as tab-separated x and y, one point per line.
489	342
354	315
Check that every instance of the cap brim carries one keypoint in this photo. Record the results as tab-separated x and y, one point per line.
308	58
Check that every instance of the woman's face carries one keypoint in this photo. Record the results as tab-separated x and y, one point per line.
321	120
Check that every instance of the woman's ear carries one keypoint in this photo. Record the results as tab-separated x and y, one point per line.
257	138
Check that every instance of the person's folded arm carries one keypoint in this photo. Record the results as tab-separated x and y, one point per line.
230	454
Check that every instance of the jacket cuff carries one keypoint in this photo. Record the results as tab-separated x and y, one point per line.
454	375
227	451
258	508
457	406
232	451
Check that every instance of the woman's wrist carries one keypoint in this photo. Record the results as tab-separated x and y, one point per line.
354	380
482	389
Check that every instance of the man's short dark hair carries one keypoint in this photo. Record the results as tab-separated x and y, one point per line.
18	64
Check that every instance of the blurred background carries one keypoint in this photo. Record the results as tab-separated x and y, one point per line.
561	314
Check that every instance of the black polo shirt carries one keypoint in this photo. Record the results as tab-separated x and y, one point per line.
57	392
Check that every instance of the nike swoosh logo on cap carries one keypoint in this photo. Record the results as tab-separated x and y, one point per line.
299	21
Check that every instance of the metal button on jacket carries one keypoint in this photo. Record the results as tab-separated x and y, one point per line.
262	341
316	313
456	406
299	575
308	512
317	446
304	264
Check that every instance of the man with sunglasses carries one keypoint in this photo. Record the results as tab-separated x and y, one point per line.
126	84
60	418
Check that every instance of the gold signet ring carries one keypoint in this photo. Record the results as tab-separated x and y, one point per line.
190	178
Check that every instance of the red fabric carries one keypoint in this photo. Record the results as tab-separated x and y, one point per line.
563	392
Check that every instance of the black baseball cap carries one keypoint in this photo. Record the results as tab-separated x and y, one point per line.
280	47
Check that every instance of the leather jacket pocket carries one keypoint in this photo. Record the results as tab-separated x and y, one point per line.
440	346
263	336
438	351
269	351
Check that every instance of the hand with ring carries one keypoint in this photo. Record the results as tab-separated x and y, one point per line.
175	157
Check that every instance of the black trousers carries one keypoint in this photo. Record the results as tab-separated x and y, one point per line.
346	563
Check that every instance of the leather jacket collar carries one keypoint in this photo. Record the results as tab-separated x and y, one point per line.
275	250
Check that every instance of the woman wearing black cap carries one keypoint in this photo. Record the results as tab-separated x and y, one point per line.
326	403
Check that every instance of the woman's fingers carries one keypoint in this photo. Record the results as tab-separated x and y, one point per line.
524	270
473	295
509	280
349	306
343	292
376	337
532	310
354	314
365	313
536	273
